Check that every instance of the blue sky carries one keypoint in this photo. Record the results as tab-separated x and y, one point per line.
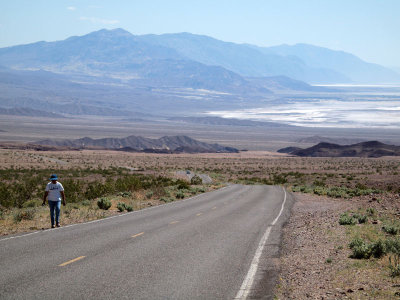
366	28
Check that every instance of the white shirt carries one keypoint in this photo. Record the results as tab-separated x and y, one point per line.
54	191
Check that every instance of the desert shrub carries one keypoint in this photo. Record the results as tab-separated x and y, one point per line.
85	202
393	245
378	248
125	194
320	183
104	203
24	214
371	211
149	194
182	184
180	195
345	219
328	260
121	206
73	205
279	179
337	192
394	265
391	229
319	190
32	203
128	208
361	250
166	199
196	180
360	218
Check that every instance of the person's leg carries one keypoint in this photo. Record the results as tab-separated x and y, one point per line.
58	207
52	205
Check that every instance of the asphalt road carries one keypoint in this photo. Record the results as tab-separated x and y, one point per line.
200	248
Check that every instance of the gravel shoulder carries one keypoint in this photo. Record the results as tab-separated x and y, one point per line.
315	260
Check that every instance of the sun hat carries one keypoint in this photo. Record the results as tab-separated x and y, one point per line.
53	177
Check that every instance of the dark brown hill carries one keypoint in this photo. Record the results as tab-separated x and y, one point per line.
166	144
322	139
289	149
365	149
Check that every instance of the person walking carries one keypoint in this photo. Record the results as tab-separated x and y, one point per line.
54	193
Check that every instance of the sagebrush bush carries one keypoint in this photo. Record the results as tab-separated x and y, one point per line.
121	206
166	199
180	195
128	208
32	203
361	250
378	249
182	184
24	214
360	218
196	180
345	219
104	203
85	202
391	229
394	265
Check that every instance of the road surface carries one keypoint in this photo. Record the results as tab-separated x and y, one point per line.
206	247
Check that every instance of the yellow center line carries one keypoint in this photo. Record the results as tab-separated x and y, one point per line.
199	214
139	234
71	261
174	222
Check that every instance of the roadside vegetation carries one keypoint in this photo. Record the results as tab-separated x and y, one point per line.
92	193
377	237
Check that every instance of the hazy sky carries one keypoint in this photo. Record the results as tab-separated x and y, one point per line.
368	28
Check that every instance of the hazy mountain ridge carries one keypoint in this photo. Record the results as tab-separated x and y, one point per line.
29	112
140	144
341	62
365	149
301	61
119	54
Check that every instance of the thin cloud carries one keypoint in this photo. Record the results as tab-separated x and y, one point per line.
71	8
98	20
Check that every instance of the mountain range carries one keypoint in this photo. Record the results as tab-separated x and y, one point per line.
166	144
189	60
364	149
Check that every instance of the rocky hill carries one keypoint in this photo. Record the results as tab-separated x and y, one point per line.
322	139
166	144
365	149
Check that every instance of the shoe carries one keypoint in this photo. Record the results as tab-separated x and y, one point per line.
58	225
52	226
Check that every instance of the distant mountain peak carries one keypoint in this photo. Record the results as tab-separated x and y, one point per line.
113	32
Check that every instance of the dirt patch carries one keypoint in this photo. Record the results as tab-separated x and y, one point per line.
315	258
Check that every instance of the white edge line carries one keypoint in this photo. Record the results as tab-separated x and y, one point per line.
249	279
111	217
